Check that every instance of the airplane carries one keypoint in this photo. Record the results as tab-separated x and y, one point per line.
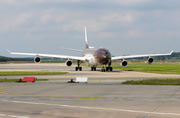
92	56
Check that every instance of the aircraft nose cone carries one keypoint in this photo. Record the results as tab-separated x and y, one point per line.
104	56
105	60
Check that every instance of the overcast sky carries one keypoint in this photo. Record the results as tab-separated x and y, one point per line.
122	26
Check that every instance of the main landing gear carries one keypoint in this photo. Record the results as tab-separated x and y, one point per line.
78	68
109	67
93	68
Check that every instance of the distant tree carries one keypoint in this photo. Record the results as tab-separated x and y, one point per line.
5	59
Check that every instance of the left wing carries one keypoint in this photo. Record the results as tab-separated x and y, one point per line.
136	56
50	55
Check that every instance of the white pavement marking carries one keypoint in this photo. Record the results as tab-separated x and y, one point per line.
2	115
17	116
98	108
13	116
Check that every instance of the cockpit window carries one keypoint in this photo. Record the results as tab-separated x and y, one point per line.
103	53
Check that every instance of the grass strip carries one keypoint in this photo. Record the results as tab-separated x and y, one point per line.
14	80
160	68
12	73
156	81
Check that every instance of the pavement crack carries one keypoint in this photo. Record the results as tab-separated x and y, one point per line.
163	102
154	109
175	92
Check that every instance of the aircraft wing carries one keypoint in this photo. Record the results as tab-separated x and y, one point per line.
50	55
136	56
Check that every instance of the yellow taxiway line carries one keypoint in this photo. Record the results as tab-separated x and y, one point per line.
70	97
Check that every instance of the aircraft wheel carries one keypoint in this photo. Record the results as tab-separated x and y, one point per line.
76	68
102	70
111	69
107	68
80	68
94	68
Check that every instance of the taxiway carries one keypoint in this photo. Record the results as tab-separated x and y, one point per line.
102	97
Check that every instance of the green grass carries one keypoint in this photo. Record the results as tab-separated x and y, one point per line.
12	73
14	80
164	68
168	81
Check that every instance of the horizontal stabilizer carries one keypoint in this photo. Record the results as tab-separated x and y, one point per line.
73	49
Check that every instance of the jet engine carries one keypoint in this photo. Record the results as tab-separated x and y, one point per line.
124	63
150	60
37	59
68	62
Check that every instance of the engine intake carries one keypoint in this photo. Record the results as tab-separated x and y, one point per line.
150	60
37	59
68	62
124	63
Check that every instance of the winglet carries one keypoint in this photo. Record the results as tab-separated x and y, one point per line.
8	51
171	52
86	39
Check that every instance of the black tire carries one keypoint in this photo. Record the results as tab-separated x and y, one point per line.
107	68
91	68
94	68
104	70
76	68
80	68
111	69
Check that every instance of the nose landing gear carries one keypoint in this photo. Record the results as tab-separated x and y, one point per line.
109	68
103	69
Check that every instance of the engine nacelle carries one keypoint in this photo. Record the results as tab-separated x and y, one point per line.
124	63
68	62
150	60
37	59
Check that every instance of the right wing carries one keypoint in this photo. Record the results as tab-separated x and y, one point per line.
50	55
136	56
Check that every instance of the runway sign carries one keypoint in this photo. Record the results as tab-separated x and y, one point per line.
82	79
29	79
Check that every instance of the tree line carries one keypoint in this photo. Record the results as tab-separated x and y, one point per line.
5	59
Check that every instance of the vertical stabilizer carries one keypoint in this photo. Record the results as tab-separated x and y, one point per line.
86	39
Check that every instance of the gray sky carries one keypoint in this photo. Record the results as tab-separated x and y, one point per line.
122	26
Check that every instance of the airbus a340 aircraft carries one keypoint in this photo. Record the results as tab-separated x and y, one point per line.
92	57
